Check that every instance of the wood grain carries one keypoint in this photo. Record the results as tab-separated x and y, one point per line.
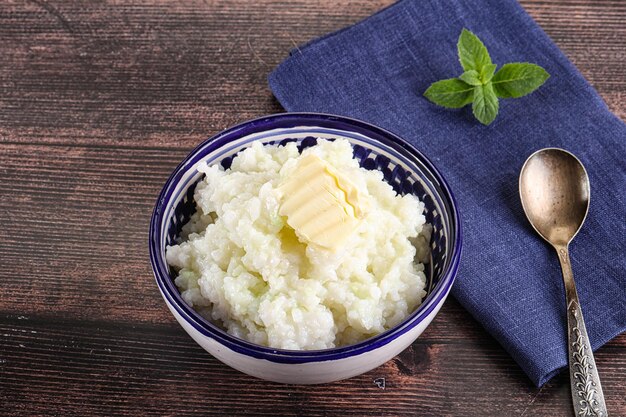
98	103
116	369
171	74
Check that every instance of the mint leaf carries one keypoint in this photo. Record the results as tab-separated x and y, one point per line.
471	77
480	84
473	54
451	93
518	79
485	106
486	74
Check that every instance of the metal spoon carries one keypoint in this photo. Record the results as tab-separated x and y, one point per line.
554	189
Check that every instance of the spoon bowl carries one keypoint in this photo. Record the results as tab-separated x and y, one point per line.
554	188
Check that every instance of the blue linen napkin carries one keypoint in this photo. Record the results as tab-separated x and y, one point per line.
509	280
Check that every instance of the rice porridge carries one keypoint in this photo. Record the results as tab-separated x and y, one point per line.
248	262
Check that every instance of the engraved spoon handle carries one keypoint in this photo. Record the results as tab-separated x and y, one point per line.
587	393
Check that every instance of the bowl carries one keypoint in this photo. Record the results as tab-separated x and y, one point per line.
403	166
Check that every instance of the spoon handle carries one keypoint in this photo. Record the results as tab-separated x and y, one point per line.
587	393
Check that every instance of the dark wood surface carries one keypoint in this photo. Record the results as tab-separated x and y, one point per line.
98	103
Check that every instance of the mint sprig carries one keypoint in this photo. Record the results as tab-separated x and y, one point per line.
480	84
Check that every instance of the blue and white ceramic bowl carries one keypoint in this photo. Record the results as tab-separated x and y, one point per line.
405	168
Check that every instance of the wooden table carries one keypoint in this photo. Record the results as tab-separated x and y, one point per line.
98	103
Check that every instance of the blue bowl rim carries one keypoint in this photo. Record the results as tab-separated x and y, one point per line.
204	327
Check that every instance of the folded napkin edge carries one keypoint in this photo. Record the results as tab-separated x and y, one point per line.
541	376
